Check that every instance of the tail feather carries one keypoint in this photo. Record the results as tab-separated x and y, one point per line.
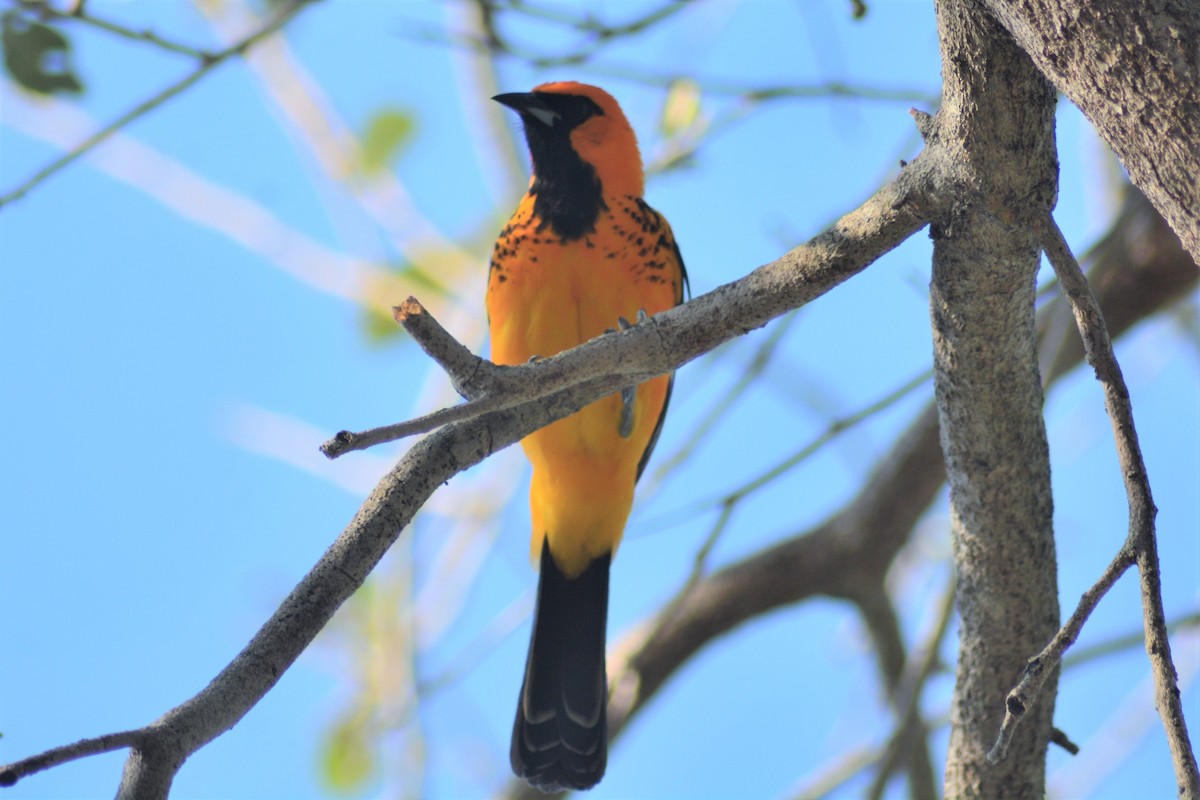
560	735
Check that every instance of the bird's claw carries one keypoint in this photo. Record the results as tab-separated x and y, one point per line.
628	396
629	393
624	324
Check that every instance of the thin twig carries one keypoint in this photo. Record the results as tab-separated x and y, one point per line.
837	772
1041	666
1062	740
835	90
490	40
460	364
834	428
80	14
850	764
488	387
907	697
480	381
344	442
1128	641
831	431
718	412
597	33
729	502
1140	546
69	752
853	762
1142	537
285	14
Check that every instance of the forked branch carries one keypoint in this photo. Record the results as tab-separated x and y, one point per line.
1140	546
208	62
541	393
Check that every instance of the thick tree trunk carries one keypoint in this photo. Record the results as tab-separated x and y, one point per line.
1133	68
997	124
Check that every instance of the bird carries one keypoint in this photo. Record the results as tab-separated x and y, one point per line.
582	255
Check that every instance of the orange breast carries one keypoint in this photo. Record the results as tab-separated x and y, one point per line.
545	296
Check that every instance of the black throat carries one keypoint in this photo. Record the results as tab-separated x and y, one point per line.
567	193
566	190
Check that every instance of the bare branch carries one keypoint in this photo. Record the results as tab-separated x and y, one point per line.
1116	644
860	541
597	34
285	13
1140	547
44	9
910	731
1040	667
748	93
675	337
729	501
905	481
1142	96
1059	738
718	412
997	117
658	345
12	773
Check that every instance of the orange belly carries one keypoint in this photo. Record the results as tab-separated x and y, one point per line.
545	297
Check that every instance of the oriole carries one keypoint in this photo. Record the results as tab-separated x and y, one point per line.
582	255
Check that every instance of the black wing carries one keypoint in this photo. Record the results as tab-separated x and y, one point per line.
685	291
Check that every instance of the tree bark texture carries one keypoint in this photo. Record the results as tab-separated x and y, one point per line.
1133	68
997	122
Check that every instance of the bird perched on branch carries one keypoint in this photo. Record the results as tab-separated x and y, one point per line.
583	254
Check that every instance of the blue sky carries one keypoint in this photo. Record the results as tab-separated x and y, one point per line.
182	324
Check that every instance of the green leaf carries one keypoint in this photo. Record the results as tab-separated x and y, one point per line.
348	759
681	107
380	327
390	288
387	132
37	56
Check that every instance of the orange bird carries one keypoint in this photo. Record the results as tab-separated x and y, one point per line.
582	255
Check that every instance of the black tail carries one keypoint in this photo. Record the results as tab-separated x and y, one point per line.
560	736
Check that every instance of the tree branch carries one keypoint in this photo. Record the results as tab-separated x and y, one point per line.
1023	696
997	117
1142	95
285	13
12	773
910	734
1140	547
866	534
666	341
78	13
863	538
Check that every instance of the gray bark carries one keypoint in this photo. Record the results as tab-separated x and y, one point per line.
997	122
1133	68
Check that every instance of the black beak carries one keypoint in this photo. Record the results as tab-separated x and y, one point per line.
530	106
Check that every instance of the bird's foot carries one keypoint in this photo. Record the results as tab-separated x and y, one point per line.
628	397
629	393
